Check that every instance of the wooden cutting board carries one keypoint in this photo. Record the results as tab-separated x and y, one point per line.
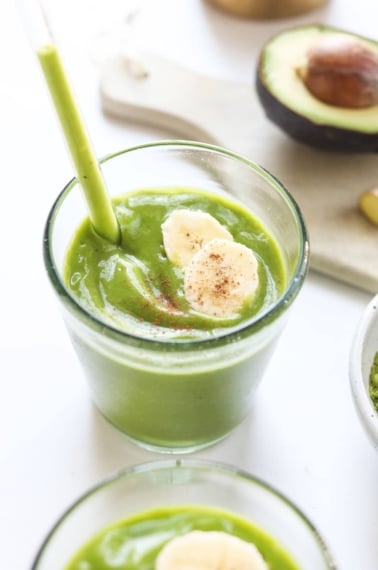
344	244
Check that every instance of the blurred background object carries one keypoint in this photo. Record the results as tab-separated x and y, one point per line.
267	9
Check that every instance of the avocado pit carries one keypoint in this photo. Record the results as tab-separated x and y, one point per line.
341	71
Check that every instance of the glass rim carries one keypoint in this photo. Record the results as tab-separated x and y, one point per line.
198	465
243	328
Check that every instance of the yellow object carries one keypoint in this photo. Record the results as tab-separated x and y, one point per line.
368	204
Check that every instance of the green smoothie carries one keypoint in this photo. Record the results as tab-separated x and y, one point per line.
134	286
135	542
160	396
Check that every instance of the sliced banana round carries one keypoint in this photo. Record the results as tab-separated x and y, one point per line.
186	231
220	278
209	550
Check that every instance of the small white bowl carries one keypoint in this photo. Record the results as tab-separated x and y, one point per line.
364	347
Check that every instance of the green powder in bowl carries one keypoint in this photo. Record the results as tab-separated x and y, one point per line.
373	381
363	369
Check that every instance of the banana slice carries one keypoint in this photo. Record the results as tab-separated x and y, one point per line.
220	278
209	550
186	231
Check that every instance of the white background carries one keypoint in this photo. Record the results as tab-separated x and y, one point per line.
303	436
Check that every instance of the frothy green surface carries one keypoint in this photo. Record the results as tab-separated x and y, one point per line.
134	543
134	287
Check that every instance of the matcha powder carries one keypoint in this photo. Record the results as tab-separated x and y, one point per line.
373	382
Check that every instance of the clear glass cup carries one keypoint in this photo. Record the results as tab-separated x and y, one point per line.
184	482
178	395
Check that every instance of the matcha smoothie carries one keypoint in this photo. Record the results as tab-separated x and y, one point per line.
135	286
181	514
170	364
149	540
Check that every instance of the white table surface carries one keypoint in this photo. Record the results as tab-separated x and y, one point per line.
303	436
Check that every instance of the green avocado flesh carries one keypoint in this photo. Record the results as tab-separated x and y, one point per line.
135	288
289	104
135	542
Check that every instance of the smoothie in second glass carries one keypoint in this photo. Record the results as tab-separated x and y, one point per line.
176	514
175	324
137	541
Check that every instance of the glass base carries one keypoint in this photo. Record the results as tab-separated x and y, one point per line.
174	450
167	449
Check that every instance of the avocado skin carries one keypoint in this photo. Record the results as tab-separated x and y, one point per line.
324	137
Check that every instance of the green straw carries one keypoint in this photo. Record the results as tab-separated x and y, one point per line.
86	165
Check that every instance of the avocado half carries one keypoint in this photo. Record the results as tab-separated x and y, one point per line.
288	103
